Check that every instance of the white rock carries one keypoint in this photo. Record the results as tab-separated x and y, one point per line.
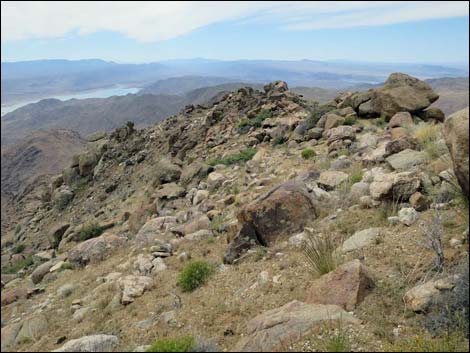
408	216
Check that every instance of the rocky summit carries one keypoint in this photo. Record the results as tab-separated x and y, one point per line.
262	222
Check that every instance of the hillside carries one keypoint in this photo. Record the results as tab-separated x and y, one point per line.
453	93
204	229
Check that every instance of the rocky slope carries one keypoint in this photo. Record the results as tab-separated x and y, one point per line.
245	185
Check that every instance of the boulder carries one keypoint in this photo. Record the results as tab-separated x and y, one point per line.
401	119
455	131
407	159
56	234
39	272
9	334
432	113
87	162
153	228
95	249
32	329
331	179
420	297
408	216
94	343
71	175
170	191
346	286
361	239
194	173
62	196
166	172
282	211
275	329
133	287
332	120
394	186
419	202
12	295
214	180
400	93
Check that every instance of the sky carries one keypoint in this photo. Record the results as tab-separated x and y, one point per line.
433	32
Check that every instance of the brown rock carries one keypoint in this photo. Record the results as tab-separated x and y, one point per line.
346	286
12	295
456	135
95	249
400	119
419	202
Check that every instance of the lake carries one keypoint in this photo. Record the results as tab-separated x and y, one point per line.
100	93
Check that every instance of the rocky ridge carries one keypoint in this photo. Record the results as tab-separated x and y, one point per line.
233	182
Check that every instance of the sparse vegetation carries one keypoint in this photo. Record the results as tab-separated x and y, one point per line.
89	230
433	233
218	224
20	265
320	254
180	344
194	275
428	136
17	249
356	175
308	153
350	120
420	343
245	124
380	122
279	140
241	157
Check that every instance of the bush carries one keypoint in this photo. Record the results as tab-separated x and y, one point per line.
89	230
449	312
181	344
428	136
356	176
18	266
257	121
18	248
350	121
279	140
308	153
320	254
243	156
380	122
194	275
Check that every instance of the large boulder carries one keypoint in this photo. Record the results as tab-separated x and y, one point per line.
407	159
400	93
166	172
275	329
56	234
394	186
42	270
133	287
87	162
194	173
361	239
95	249
346	286
32	329
456	129
284	210
94	343
62	196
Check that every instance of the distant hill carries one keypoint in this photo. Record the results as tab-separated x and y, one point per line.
45	78
43	152
453	93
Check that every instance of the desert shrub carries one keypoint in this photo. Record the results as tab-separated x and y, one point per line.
245	124
380	122
89	230
194	275
350	120
356	175
130	125
242	157
25	263
180	344
279	140
17	249
449	312
67	266
320	254
434	232
389	208
218	224
308	153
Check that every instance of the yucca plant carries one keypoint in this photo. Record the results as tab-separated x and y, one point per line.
320	254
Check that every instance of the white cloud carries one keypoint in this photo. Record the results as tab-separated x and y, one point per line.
156	21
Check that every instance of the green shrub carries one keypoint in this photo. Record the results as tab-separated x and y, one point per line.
356	176
89	230
308	153
350	120
256	122
320	254
194	275
243	156
180	344
380	122
279	140
18	266
18	248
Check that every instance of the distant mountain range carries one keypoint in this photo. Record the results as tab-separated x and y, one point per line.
44	78
150	106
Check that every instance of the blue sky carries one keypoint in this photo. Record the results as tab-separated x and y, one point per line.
436	32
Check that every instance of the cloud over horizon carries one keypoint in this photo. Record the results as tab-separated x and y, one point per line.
160	21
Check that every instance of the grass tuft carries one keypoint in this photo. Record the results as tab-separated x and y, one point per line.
180	344
320	254
308	153
89	230
243	157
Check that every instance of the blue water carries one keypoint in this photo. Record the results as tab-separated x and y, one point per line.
100	93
